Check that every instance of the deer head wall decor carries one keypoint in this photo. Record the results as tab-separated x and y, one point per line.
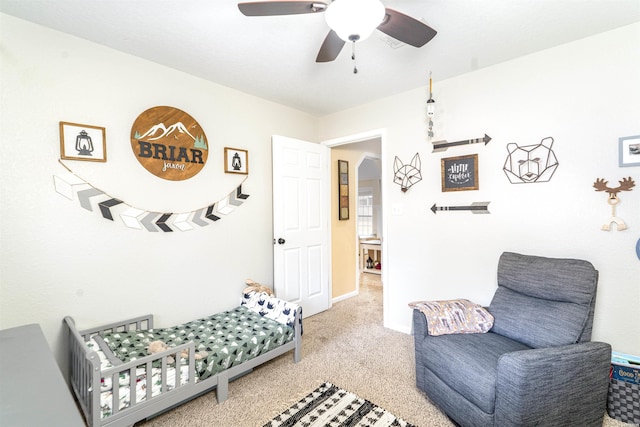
626	184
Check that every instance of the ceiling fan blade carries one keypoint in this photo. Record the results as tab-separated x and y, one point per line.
281	7
330	48
406	29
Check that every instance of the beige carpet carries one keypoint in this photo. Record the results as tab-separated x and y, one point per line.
347	346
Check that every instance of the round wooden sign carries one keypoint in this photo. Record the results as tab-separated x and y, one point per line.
169	143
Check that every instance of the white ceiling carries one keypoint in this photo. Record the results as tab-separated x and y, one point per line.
274	57
369	169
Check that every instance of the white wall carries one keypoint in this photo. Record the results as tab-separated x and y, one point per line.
585	95
58	259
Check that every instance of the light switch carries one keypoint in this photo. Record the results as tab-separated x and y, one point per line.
396	209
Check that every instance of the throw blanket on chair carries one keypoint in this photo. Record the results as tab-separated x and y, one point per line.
458	316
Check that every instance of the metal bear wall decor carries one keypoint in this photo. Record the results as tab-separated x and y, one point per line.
530	163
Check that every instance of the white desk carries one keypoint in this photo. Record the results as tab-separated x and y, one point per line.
365	247
33	392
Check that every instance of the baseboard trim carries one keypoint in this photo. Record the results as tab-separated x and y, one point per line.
345	296
398	327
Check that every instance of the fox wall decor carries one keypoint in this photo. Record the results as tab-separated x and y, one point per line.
405	175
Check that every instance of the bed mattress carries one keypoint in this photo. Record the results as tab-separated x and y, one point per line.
230	338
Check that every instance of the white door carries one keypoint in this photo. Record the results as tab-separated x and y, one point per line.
301	252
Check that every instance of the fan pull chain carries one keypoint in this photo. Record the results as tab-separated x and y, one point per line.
353	57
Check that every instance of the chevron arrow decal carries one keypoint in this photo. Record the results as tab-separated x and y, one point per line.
222	207
235	199
239	194
148	223
443	145
210	214
85	195
105	207
197	218
182	222
140	219
162	223
475	207
130	218
66	185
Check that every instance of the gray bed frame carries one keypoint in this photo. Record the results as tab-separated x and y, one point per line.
85	374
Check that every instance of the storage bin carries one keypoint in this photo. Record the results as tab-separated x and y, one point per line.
623	401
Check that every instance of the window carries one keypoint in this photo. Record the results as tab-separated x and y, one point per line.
365	213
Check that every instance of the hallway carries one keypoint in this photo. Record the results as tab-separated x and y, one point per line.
371	294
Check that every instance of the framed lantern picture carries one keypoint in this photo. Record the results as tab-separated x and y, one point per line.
343	190
460	173
236	161
83	142
629	151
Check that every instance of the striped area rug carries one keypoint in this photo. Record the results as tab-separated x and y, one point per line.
331	406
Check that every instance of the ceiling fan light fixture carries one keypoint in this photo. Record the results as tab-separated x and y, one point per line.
354	20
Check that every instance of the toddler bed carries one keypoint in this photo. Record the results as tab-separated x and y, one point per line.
118	382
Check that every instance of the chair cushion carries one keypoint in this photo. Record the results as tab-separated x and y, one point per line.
536	322
542	301
557	279
467	363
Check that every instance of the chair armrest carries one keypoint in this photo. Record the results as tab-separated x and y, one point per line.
420	326
564	385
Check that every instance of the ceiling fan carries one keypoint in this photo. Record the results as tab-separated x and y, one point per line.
348	20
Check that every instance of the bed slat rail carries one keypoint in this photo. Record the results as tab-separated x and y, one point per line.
84	366
144	366
135	323
86	376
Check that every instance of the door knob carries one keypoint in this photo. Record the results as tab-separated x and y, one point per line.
281	241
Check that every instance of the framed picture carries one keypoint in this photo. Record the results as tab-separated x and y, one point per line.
460	173
236	160
83	142
629	150
343	190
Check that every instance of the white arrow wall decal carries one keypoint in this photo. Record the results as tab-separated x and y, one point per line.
130	218
182	222
140	219
66	186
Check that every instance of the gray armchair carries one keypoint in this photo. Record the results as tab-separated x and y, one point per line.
536	366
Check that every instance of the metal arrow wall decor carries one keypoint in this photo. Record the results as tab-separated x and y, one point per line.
475	208
443	145
141	219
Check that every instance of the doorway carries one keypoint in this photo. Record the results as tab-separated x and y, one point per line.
369	215
345	259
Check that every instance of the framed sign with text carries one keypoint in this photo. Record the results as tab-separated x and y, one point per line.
460	173
169	143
